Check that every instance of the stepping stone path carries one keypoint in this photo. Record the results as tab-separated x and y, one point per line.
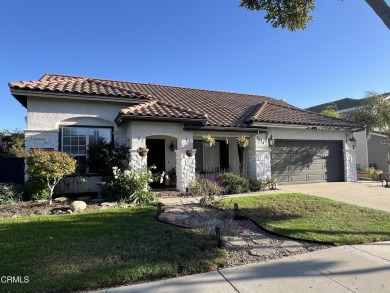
244	241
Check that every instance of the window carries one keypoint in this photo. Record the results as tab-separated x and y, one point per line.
75	140
207	158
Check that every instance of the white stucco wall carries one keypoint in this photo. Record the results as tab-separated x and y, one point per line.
361	149
45	116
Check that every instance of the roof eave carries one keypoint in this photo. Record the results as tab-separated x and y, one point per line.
121	118
23	93
353	128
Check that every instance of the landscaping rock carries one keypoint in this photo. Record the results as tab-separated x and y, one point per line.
78	206
262	251
260	239
69	212
235	241
292	246
226	214
167	217
60	199
108	204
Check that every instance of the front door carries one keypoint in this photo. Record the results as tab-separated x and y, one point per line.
156	156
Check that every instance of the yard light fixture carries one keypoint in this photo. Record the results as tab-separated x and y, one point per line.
353	141
271	142
172	147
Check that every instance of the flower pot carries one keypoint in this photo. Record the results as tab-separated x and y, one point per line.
190	152
143	152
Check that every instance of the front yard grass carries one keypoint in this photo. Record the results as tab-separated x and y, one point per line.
66	253
314	218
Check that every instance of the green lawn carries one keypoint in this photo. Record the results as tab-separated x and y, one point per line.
315	218
99	249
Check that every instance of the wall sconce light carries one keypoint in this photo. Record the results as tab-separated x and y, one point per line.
353	141
172	147
271	142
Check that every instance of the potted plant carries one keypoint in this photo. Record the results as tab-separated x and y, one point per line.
242	141
209	139
190	152
142	151
172	176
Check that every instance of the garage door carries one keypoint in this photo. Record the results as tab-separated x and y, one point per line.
307	161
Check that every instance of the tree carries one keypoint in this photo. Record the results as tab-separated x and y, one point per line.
103	156
331	111
12	143
374	112
50	167
294	14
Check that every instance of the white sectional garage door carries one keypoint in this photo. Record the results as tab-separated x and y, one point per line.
307	161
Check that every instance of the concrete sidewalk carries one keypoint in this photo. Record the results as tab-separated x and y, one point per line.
357	268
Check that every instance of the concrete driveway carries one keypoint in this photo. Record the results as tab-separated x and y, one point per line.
367	194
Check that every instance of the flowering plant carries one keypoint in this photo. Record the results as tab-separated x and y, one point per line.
130	185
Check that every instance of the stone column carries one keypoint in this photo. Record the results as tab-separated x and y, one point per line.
350	172
258	157
136	161
185	169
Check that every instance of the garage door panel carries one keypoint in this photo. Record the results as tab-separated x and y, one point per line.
316	166
298	178
308	161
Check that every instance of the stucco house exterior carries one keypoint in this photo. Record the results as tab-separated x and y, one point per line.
68	113
372	151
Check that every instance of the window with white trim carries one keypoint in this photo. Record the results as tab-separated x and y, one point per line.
75	141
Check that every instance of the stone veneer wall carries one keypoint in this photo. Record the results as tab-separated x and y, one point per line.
258	157
350	172
44	139
185	169
137	161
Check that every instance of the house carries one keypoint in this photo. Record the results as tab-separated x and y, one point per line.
372	151
68	113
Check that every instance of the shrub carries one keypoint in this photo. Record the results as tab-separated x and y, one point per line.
203	186
103	156
50	166
373	173
10	193
130	186
35	189
234	183
262	184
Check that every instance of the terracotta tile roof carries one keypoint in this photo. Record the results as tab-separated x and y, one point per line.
281	114
161	109
223	109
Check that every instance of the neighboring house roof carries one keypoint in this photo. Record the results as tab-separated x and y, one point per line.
212	108
340	105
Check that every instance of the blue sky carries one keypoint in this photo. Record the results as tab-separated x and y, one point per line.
200	44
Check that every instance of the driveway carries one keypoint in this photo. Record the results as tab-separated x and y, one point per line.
367	194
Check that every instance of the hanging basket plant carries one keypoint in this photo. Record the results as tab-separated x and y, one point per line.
209	139
190	152
242	141
142	151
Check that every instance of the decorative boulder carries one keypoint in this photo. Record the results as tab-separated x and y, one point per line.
78	206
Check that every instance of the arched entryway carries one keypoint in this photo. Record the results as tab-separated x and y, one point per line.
162	156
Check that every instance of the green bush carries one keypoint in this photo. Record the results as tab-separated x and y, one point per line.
203	186
234	183
103	156
374	173
35	189
10	193
262	184
130	186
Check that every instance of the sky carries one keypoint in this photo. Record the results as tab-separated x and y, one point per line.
204	44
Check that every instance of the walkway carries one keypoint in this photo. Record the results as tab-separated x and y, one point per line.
358	268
